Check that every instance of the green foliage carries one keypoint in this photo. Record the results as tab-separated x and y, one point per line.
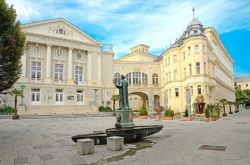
213	110
242	96
115	97
7	110
12	41
16	92
105	109
169	113
136	110
186	113
143	111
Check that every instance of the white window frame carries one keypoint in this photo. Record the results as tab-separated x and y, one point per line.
129	78
35	69
155	79
36	50
37	96
80	97
58	72
144	78
79	75
59	96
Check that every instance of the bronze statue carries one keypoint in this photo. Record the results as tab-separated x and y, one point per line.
123	93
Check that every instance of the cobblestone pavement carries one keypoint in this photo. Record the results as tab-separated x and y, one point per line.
47	142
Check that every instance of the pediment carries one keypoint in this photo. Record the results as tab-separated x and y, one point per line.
59	28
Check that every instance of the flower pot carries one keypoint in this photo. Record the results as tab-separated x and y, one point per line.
158	117
143	117
168	118
213	118
206	119
15	117
185	119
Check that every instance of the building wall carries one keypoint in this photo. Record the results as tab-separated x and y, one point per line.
242	83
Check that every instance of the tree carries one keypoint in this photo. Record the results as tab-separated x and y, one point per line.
12	42
230	108
114	98
223	102
16	92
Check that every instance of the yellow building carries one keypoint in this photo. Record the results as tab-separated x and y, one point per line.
242	82
197	66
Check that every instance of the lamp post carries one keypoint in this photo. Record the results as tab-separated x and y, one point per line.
188	100
95	97
22	86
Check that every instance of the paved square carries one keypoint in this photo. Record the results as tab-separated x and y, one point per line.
48	141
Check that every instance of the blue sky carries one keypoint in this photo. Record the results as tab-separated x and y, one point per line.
157	23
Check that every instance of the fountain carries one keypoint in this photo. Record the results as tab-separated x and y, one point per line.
124	126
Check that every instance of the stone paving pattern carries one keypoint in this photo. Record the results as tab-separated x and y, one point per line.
48	142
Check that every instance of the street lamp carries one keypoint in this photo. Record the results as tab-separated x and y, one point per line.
22	86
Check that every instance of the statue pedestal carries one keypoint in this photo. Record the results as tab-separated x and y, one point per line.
124	118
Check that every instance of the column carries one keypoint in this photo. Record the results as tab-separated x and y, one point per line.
99	67
24	67
48	65
70	67
89	65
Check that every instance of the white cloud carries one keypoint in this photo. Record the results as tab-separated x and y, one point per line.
126	22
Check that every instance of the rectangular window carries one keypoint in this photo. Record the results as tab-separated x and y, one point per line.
189	50
59	95
175	74
169	76
174	58
198	68
36	70
205	68
176	92
166	77
191	90
58	72
199	89
35	95
185	73
79	96
78	74
136	77
184	56
246	85
190	69
168	60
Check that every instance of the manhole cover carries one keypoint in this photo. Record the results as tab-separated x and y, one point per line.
214	148
241	122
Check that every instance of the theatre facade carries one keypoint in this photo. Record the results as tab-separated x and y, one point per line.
65	71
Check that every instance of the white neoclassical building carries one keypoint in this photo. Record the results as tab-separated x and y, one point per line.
64	70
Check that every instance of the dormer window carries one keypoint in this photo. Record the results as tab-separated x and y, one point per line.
60	31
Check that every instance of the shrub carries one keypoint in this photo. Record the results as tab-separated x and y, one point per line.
186	113
7	110
136	110
208	110
143	111
169	113
105	109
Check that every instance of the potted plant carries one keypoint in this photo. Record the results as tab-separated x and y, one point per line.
143	113
158	111
16	92
208	109
186	116
169	114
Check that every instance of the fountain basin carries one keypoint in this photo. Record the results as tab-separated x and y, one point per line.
130	134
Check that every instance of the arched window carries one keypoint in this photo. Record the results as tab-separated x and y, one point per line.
129	78
144	78
60	31
36	50
136	77
155	78
59	52
117	78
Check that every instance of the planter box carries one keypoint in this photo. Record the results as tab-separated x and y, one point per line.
143	117
214	118
185	119
206	119
158	117
168	118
